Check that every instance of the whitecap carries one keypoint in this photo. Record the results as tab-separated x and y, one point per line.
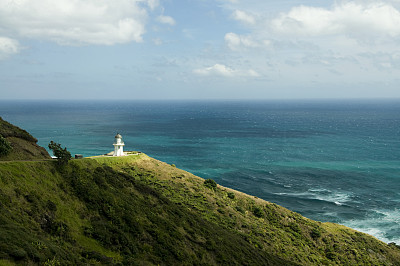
336	197
379	223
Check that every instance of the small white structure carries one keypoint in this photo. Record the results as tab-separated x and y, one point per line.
118	146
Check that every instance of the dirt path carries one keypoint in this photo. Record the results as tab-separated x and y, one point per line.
39	160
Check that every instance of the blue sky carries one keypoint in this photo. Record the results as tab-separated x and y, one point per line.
199	49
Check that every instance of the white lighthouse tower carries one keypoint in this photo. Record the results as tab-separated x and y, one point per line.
118	146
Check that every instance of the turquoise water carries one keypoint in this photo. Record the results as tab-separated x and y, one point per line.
336	161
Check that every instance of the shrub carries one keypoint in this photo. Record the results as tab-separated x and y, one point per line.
295	227
18	253
239	209
258	212
5	146
210	184
63	156
231	195
315	233
331	255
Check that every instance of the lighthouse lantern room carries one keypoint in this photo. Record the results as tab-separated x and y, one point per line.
118	146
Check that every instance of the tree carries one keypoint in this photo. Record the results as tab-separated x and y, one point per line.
210	184
5	146
63	156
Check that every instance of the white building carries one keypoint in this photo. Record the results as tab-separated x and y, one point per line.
118	146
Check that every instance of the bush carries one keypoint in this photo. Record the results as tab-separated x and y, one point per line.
295	227
331	255
18	253
231	195
63	156
210	184
5	146
315	233
240	209
258	212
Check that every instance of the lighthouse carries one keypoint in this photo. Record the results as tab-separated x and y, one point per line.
118	146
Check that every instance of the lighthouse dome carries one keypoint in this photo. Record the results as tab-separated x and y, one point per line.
118	136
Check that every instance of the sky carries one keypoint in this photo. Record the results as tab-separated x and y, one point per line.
199	49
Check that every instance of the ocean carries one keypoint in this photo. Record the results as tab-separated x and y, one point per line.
329	160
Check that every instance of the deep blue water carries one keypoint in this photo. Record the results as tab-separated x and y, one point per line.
336	161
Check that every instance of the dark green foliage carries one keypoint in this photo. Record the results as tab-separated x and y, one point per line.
295	227
146	226
18	253
97	257
330	254
257	211
240	209
63	155
315	233
5	146
231	195
23	244
210	184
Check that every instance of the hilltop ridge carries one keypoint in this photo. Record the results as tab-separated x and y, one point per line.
24	145
137	210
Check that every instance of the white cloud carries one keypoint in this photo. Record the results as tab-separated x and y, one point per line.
8	47
243	17
166	20
236	42
333	37
217	69
252	73
224	71
153	4
76	22
355	19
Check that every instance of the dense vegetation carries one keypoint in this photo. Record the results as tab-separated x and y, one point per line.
137	210
90	213
5	146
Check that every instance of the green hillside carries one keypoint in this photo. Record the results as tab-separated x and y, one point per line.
136	210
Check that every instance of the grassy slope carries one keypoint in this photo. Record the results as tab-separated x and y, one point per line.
88	213
278	230
23	144
136	209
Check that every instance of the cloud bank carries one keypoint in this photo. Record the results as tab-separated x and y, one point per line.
76	22
354	19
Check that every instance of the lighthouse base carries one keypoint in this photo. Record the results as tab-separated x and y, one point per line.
119	150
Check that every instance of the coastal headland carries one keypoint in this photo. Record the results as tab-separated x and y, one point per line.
138	210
